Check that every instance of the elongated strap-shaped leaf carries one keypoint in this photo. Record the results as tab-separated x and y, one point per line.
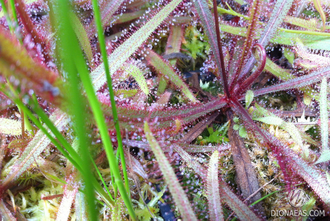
166	69
125	50
209	27
5	212
325	152
318	6
10	127
66	203
324	114
32	30
130	115
313	40
133	70
313	176
179	196
251	32
240	208
213	194
35	147
298	82
191	162
17	65
280	10
191	148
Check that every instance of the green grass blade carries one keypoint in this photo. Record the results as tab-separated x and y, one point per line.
112	96
69	54
101	178
74	64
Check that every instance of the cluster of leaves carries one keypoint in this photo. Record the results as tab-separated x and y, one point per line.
81	88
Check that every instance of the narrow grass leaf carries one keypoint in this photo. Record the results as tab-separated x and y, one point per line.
96	108
125	50
213	194
179	196
74	63
107	10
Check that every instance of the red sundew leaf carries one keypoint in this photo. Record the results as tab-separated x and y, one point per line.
20	68
247	83
35	147
191	162
69	194
5	212
131	117
126	49
314	177
287	159
280	10
236	204
241	209
250	35
30	29
213	194
179	196
209	27
191	148
174	41
298	82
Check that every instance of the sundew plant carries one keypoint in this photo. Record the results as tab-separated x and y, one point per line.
164	110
